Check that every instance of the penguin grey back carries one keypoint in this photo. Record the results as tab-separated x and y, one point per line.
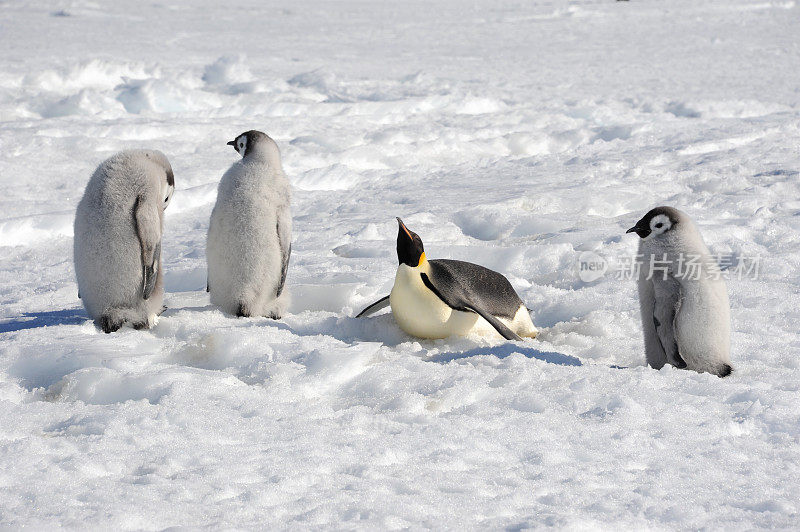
249	236
490	289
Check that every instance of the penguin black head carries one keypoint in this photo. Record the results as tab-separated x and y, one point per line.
656	222
247	141
409	246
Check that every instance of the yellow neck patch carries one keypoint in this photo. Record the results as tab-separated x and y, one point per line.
422	259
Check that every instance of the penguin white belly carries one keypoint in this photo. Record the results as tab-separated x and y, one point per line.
421	313
702	326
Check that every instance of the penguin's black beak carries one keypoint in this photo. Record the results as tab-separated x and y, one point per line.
403	228
232	143
409	246
640	230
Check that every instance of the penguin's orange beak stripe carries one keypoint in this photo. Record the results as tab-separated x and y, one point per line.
406	230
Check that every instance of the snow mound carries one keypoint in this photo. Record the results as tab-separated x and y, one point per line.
160	96
96	73
227	70
30	230
230	74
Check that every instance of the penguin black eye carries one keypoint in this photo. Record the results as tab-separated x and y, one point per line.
659	225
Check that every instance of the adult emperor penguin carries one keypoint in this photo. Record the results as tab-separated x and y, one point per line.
682	296
250	233
117	245
440	298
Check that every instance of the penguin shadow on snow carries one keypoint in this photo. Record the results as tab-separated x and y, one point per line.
383	329
505	350
170	312
34	320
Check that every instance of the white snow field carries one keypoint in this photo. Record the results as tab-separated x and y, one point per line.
517	135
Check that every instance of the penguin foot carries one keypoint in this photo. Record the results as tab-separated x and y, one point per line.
278	307
163	308
679	362
725	370
242	311
109	325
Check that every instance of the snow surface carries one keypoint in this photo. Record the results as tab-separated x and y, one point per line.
513	134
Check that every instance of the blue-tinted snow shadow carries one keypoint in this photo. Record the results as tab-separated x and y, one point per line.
172	311
33	320
502	351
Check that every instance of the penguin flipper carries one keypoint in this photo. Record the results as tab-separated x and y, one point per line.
375	307
653	350
147	221
284	231
150	273
499	326
284	269
459	301
665	308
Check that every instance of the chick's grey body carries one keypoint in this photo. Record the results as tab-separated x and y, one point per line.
682	296
249	235
117	245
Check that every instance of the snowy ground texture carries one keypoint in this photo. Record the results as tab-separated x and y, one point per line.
514	134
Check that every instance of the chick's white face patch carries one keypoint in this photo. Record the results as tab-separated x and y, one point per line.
241	145
660	224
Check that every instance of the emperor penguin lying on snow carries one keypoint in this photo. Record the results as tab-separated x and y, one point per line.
440	298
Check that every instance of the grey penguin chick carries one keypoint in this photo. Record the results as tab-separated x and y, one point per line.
250	232
440	297
117	245
682	296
